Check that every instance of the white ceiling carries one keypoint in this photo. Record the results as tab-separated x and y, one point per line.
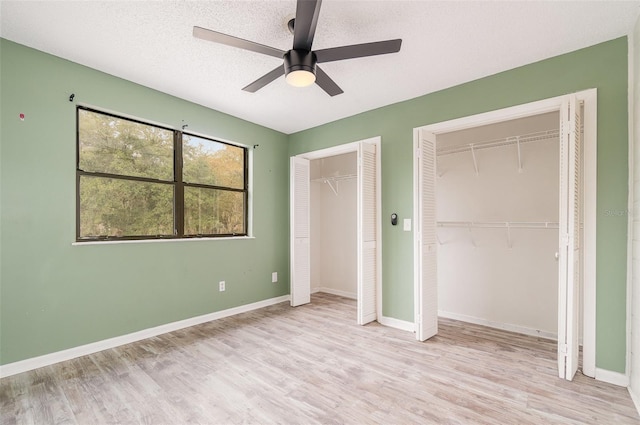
445	43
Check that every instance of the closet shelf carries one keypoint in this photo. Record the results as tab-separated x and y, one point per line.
508	225
495	143
335	178
501	224
332	181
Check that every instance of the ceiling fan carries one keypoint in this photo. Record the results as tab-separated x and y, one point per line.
300	63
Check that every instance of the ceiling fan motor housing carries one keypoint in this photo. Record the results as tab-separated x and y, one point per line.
299	60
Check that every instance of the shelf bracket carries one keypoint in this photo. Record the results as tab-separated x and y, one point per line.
519	155
475	161
334	189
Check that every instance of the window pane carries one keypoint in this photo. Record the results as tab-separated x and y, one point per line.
212	163
118	146
116	207
213	212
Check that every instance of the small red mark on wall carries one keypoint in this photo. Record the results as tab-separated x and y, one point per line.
21	117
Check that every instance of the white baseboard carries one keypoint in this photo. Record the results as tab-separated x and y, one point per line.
83	350
615	378
636	399
498	325
337	292
397	323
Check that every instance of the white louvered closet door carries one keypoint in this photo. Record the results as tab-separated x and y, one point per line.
427	319
367	233
300	232
569	249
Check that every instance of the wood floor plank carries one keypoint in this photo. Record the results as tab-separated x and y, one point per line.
313	365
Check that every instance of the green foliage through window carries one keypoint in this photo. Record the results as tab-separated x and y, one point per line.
142	181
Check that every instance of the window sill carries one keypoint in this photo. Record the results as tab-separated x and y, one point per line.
115	242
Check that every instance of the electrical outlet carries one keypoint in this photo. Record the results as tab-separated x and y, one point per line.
221	286
274	277
407	225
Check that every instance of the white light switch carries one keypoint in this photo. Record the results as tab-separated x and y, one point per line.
407	225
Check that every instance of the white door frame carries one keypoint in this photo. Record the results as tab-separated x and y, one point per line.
588	97
353	147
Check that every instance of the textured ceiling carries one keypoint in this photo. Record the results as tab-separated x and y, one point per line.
445	43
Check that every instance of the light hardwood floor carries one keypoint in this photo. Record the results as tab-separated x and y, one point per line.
311	365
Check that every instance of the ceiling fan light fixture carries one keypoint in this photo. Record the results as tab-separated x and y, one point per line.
300	68
300	78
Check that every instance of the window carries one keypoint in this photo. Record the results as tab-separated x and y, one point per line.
136	180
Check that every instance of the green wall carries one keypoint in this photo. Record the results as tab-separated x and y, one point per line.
56	296
634	384
604	67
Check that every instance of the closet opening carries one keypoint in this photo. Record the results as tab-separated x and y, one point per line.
334	250
505	224
336	225
497	209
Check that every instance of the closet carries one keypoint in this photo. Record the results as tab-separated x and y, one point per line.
497	209
333	216
336	226
492	230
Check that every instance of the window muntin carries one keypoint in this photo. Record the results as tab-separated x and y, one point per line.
140	181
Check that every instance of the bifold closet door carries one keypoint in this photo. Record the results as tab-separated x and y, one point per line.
300	191
569	249
367	233
427	294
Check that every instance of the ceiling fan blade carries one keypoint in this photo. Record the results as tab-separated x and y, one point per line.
304	29
229	40
265	79
358	50
326	83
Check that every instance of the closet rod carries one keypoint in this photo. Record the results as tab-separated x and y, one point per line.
506	141
500	224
